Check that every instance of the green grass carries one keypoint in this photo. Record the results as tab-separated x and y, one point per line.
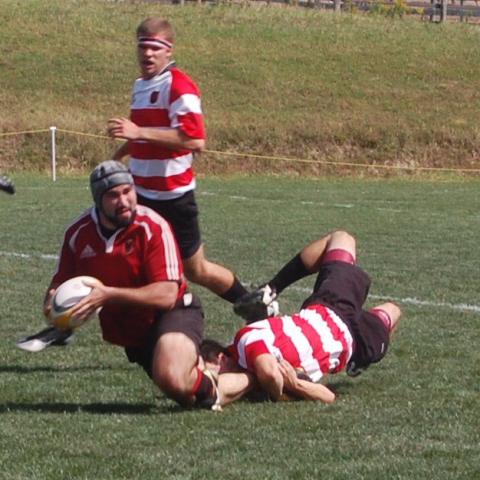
86	413
280	81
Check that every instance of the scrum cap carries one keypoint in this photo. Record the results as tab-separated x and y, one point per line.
107	175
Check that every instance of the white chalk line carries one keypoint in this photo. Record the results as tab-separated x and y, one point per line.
28	255
459	307
302	202
244	198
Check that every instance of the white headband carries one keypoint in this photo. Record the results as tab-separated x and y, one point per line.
154	42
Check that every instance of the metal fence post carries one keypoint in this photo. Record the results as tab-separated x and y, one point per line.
54	154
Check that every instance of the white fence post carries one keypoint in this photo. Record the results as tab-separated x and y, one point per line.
54	154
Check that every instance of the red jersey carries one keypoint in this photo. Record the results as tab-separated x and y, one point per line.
168	100
140	254
315	339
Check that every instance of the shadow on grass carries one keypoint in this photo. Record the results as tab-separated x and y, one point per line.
341	387
22	370
96	408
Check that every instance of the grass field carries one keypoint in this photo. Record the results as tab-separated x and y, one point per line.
85	413
279	81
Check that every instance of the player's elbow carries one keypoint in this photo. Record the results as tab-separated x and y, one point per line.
329	398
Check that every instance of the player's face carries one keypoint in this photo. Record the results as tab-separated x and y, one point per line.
153	58
118	206
223	364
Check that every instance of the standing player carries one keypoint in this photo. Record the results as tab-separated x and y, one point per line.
145	307
164	132
331	333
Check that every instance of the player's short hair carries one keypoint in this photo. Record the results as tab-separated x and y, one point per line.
210	349
154	26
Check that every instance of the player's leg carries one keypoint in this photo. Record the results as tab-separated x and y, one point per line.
338	245
389	314
174	364
174	360
183	216
176	372
376	327
215	277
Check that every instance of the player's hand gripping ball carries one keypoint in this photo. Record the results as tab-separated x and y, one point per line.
67	295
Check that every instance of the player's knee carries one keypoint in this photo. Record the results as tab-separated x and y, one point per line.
174	359
343	238
389	313
171	380
341	247
393	310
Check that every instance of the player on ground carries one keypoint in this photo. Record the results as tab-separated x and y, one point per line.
145	307
331	333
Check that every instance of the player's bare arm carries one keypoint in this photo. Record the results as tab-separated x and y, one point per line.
173	138
269	375
303	388
47	305
158	295
121	152
234	385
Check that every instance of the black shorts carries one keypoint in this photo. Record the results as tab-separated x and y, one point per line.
344	288
186	319
182	214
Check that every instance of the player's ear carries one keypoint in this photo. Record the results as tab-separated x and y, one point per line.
223	360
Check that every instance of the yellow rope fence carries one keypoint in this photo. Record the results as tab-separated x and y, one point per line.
259	157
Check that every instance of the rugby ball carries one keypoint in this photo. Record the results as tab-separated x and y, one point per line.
67	295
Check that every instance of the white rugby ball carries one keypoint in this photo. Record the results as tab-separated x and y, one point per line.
67	295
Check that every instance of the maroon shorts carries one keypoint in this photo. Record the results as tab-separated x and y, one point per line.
186	319
344	288
182	215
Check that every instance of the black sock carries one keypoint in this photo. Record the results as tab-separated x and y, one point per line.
292	271
234	292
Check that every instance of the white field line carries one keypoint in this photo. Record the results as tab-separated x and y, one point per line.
28	255
459	307
302	202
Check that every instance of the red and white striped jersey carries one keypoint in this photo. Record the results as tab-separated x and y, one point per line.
315	339
142	253
168	100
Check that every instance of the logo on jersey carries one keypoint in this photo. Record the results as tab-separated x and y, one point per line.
154	97
129	246
87	252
